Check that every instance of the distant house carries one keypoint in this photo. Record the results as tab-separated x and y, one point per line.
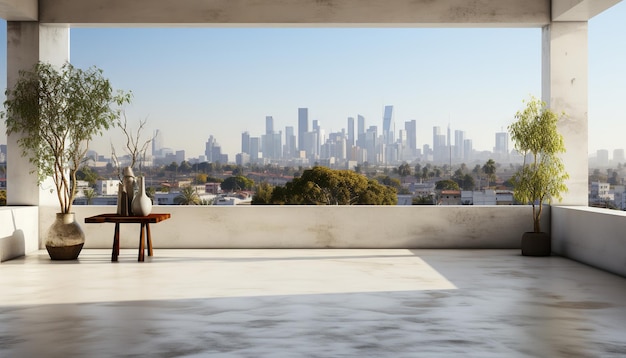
449	197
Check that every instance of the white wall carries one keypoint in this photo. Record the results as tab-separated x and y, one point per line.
593	236
454	227
18	231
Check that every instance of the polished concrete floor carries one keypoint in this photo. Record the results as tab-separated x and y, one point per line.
310	303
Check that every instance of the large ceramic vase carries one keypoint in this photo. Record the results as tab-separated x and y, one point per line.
65	238
142	205
536	244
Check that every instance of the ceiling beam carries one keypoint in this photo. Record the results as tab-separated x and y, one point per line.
18	10
579	10
418	13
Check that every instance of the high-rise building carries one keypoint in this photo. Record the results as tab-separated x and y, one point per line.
255	146
459	145
290	143
157	143
440	152
388	125
502	143
213	151
371	144
303	126
618	156
410	128
360	132
602	157
350	131
468	150
245	142
269	125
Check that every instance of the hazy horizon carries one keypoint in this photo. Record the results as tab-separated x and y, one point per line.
192	83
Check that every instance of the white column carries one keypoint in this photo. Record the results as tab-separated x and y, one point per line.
564	89
28	43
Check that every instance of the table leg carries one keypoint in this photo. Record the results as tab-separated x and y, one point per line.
148	239
141	244
116	243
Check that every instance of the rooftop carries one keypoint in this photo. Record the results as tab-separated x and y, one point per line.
319	302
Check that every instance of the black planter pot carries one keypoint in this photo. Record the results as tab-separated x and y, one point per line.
536	244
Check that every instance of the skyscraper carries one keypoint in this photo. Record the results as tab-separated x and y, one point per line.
410	128
157	143
303	126
290	143
360	132
350	131
459	145
245	142
388	126
269	125
502	143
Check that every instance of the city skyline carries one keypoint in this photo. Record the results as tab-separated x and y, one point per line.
193	83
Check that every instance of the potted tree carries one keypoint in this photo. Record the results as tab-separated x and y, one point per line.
541	178
56	112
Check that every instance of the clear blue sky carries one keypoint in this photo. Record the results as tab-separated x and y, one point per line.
194	82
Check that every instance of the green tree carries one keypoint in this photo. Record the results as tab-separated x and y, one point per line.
468	182
87	174
57	112
423	200
89	194
173	167
185	167
263	194
490	170
404	170
324	186
535	133
447	184
201	178
238	182
187	196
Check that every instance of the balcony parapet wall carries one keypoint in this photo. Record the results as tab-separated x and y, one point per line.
275	227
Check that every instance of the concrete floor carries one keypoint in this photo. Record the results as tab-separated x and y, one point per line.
310	303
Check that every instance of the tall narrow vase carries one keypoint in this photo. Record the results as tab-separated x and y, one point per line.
142	205
65	238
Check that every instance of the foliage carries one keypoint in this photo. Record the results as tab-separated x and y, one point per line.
324	186
185	167
56	112
404	170
89	194
135	149
3	197
263	194
490	170
187	196
423	200
201	178
535	134
87	174
238	182
447	184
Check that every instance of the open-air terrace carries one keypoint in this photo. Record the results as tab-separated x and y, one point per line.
318	281
316	303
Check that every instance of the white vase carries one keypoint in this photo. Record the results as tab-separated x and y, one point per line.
65	238
142	205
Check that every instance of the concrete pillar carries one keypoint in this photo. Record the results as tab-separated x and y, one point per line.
28	43
564	89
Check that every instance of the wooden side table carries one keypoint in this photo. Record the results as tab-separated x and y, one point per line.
144	234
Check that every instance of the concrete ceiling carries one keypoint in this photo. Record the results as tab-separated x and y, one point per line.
415	13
